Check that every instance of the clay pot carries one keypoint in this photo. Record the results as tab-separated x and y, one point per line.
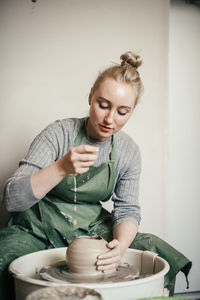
81	255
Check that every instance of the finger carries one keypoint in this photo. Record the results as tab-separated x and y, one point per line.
110	254
82	167
108	267
87	149
86	157
81	171
114	243
114	252
112	260
84	164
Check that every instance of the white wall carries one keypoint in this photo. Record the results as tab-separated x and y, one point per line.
183	205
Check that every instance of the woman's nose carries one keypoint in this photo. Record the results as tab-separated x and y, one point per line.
109	117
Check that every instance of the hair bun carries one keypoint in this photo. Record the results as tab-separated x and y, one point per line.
131	59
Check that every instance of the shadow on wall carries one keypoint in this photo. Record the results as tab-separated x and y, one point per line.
3	215
3	212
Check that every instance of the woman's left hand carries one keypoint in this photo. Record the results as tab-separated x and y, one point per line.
111	259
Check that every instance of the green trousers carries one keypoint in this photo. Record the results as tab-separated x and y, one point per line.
14	242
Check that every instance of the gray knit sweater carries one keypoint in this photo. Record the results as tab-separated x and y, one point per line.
56	140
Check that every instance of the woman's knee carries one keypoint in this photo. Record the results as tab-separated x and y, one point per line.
15	243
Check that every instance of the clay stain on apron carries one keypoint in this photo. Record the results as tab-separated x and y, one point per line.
75	207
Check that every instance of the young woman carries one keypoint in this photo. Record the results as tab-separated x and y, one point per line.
71	167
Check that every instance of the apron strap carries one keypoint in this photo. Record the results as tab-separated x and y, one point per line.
81	133
112	153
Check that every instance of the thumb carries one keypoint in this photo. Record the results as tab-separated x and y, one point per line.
113	244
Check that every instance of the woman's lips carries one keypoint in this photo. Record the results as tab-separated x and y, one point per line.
105	128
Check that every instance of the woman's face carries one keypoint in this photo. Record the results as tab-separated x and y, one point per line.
111	105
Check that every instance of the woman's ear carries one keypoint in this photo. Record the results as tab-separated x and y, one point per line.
90	97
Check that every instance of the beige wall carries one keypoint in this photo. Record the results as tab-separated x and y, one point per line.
183	168
51	52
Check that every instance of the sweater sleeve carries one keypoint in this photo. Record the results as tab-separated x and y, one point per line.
125	196
18	193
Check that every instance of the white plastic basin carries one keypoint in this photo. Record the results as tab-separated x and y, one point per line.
25	270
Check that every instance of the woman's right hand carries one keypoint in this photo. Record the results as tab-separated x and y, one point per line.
79	159
76	161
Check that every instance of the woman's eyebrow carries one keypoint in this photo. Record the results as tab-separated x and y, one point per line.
124	106
104	99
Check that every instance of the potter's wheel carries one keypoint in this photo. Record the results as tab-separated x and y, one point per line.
60	272
25	270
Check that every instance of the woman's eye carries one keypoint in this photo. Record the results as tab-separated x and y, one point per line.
122	113
104	106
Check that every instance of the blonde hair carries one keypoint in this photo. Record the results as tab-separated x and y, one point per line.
125	72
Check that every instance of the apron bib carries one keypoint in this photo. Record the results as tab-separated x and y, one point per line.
73	208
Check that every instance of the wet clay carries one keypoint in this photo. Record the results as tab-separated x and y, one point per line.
60	273
82	253
75	207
